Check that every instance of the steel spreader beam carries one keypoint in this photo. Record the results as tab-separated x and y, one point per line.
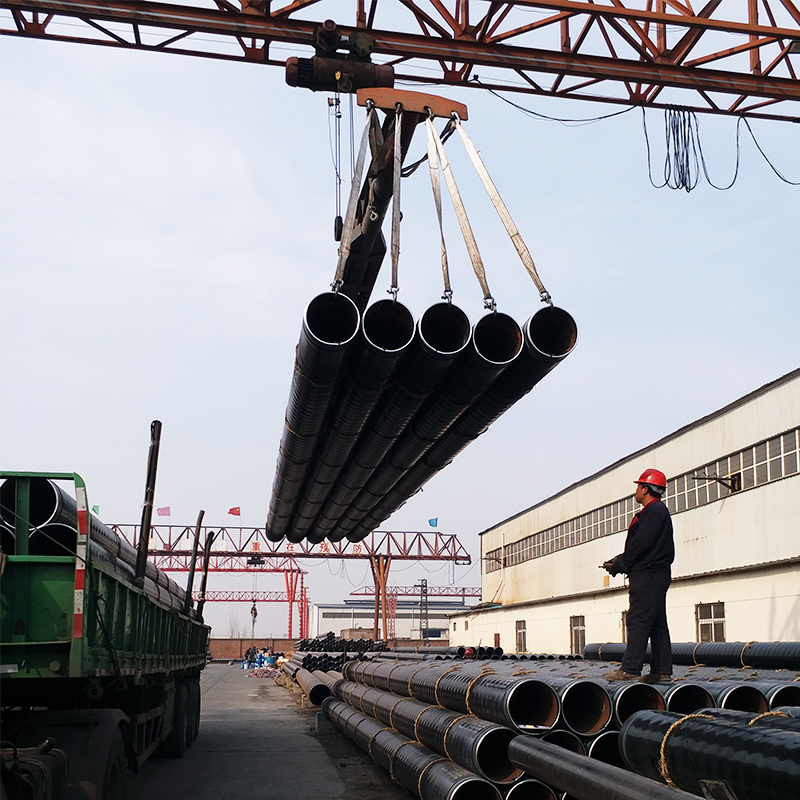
245	597
413	591
235	547
725	58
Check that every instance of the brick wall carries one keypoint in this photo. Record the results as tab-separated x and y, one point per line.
235	648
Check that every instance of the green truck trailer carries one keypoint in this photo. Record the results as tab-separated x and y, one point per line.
98	669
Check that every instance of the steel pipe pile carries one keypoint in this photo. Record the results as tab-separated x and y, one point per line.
585	778
479	745
335	644
758	655
755	762
315	689
53	516
414	766
549	336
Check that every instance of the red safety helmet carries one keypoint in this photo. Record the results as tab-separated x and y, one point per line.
653	477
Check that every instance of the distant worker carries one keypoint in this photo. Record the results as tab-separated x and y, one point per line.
649	552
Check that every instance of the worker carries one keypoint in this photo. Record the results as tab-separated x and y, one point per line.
649	552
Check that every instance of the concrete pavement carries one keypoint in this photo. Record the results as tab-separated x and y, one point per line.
257	743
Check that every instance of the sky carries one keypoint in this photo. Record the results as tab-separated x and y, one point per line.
165	220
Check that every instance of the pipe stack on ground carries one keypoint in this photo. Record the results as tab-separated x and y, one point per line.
53	516
378	406
329	643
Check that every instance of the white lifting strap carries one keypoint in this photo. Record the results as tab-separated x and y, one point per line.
355	191
463	221
502	212
433	164
397	162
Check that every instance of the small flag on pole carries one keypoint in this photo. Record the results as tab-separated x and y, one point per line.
163	512
95	509
236	511
433	522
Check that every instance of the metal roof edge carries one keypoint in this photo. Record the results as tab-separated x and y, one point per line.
767	387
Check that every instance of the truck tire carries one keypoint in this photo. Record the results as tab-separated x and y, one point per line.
116	770
175	743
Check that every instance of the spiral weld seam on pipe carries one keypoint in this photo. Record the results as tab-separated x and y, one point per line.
758	763
420	770
53	516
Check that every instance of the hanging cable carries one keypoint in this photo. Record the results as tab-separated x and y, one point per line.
446	133
397	163
502	211
433	164
335	111
349	222
463	222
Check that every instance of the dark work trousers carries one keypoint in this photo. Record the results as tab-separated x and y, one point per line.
647	619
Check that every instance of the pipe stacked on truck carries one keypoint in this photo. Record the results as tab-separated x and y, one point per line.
53	518
379	405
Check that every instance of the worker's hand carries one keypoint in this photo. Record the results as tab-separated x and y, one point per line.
610	566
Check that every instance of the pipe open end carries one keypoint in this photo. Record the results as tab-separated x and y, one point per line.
53	539
471	789
444	328
530	790
533	704
743	698
498	338
605	748
43	501
492	756
788	695
332	318
566	740
688	698
637	697
388	325
552	332
585	707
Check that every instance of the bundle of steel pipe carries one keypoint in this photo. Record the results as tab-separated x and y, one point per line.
759	655
755	762
315	689
335	644
584	778
423	772
322	662
53	516
549	336
516	702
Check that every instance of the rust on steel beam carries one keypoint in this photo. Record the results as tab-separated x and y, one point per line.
493	40
245	543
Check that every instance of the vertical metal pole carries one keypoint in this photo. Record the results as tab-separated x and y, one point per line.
374	568
206	551
423	609
149	494
188	604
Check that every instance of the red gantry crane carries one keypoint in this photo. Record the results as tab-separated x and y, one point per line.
723	58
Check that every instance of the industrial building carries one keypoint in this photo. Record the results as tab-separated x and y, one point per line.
360	614
733	492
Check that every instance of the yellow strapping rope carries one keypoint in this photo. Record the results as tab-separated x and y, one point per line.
662	760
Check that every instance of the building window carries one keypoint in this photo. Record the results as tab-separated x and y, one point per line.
577	630
455	625
624	626
710	622
497	640
466	624
522	643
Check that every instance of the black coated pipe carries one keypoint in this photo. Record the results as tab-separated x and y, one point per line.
739	696
586	706
549	336
210	536
566	739
496	341
684	698
628	698
442	333
585	778
193	564
149	495
756	763
528	789
330	324
314	688
770	719
385	333
759	655
605	748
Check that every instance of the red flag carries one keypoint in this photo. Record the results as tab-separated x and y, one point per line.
236	511
163	512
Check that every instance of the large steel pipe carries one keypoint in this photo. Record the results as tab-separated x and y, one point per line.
628	698
315	689
605	748
528	789
740	697
586	707
585	778
759	655
442	333
495	343
684	698
769	719
330	324
386	331
549	336
756	763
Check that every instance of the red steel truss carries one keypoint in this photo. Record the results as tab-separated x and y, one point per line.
413	591
725	57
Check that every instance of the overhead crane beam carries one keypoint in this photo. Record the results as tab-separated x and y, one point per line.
413	591
728	58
